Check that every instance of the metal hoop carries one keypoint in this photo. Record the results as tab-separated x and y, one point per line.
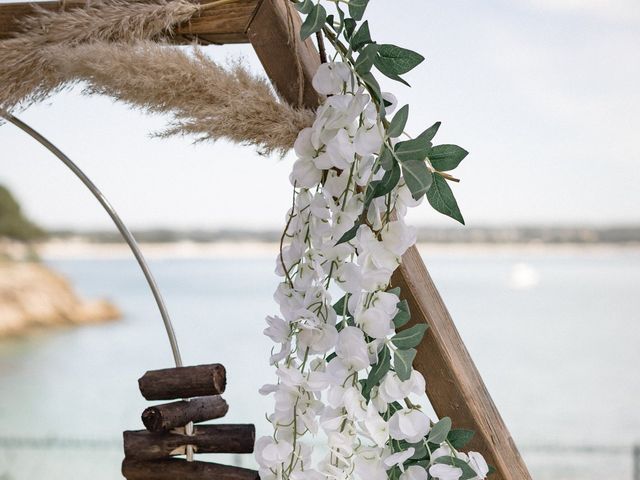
122	228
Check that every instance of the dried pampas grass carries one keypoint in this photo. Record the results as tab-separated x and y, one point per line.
112	47
27	72
204	99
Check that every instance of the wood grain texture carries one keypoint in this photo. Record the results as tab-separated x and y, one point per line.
223	24
183	382
178	469
177	414
274	34
145	445
454	385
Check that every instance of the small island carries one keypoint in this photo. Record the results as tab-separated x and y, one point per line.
33	296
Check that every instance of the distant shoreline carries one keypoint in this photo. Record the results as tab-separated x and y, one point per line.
81	249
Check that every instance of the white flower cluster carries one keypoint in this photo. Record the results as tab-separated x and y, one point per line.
326	353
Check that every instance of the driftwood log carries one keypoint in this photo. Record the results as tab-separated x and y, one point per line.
144	445
183	382
178	469
165	417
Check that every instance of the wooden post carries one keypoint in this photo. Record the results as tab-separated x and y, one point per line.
177	414
227	23
274	34
183	382
454	385
145	445
178	469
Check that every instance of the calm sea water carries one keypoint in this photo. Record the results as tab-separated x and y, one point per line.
555	334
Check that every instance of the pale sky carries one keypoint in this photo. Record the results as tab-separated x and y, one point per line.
545	94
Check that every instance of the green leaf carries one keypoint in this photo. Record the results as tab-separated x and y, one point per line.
396	127
357	8
365	59
403	316
441	198
373	85
331	357
349	27
417	177
467	472
305	7
388	181
409	338
459	437
339	306
350	234
439	431
386	158
395	291
379	370
402	362
393	60
314	22
446	157
430	132
416	149
361	37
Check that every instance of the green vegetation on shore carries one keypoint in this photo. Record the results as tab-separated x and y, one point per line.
13	224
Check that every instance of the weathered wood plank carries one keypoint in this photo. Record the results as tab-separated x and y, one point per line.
183	382
454	386
226	23
178	469
144	445
279	49
177	414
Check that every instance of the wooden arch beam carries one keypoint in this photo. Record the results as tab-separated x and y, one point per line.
454	385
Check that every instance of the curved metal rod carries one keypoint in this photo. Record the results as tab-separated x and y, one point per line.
124	231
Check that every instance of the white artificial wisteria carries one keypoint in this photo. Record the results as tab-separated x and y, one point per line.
335	336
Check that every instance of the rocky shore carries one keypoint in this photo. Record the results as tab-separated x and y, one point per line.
33	296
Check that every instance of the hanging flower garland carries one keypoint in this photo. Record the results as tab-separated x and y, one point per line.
342	368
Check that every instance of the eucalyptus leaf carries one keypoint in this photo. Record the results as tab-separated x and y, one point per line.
440	430
417	177
441	198
349	235
404	314
386	158
396	127
395	291
415	149
364	62
388	182
349	27
379	370
446	157
374	86
409	338
430	132
402	362
314	22
361	37
305	7
357	8
459	437
339	306
393	60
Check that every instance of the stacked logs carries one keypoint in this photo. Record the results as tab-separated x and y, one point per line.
149	453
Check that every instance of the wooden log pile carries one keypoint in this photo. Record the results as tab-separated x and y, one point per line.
150	454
